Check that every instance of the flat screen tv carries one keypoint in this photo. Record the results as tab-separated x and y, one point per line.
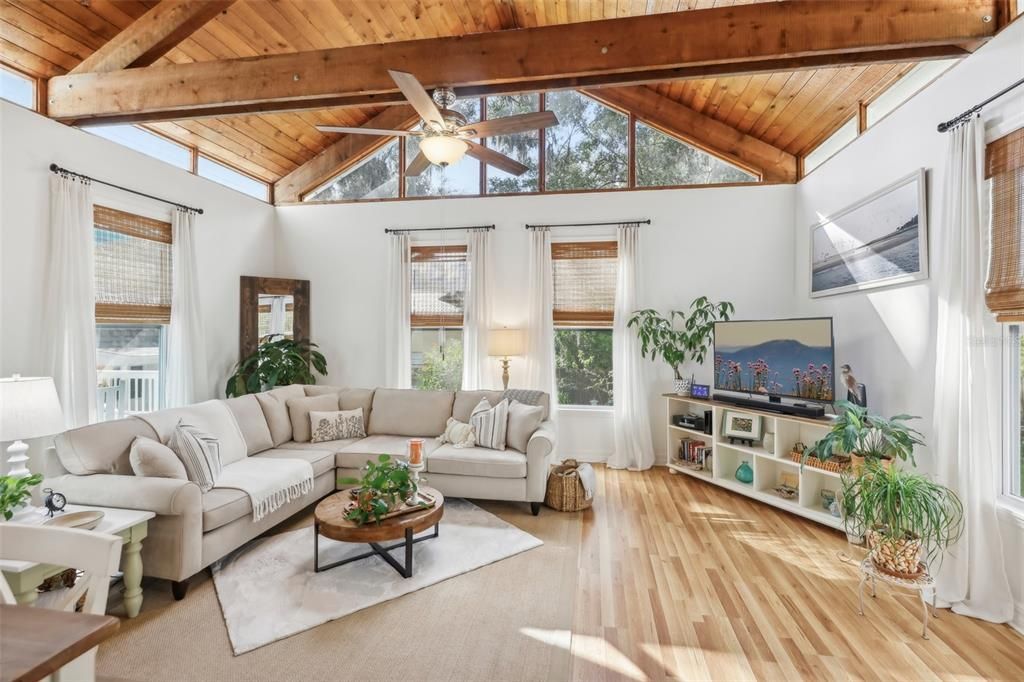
778	358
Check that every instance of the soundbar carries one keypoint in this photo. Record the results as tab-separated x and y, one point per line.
811	410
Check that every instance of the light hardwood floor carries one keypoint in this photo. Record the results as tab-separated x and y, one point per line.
681	579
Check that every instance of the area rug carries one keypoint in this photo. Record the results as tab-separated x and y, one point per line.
268	589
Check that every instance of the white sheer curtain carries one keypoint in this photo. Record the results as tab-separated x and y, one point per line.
397	314
477	311
972	578
278	310
187	380
633	447
540	331
70	327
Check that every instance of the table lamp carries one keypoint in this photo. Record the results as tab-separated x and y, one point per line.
29	408
503	343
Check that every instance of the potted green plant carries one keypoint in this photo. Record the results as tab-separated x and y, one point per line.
679	337
14	492
278	361
867	437
907	517
386	484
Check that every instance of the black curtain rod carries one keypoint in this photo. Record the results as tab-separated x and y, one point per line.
614	222
54	168
402	230
953	122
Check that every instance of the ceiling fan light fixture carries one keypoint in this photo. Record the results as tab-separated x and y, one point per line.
443	150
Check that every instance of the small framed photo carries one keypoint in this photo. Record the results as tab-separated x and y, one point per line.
741	426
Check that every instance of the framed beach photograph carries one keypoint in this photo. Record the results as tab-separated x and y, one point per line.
880	241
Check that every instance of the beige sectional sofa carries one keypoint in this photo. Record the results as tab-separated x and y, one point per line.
193	529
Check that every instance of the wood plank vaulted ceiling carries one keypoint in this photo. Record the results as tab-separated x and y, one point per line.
790	110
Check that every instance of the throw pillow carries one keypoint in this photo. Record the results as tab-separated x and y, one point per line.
523	420
327	426
459	434
152	458
299	409
199	452
490	424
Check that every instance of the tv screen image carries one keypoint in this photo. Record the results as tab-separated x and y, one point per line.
784	358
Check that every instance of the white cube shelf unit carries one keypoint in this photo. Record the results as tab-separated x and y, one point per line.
768	465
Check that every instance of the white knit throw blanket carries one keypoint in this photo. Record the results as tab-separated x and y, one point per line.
269	483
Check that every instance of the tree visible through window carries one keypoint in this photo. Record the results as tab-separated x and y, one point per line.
461	178
523	147
438	278
374	177
663	160
589	148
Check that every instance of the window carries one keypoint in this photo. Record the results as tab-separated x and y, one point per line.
148	143
584	275
275	315
462	178
589	148
132	257
523	147
438	275
374	177
229	177
663	160
846	134
906	87
17	88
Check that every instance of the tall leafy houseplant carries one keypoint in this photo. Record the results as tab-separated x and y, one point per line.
859	433
278	361
680	337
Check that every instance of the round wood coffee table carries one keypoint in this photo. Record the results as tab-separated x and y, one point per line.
330	521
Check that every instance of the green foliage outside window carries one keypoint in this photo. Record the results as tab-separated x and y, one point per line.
583	366
663	160
374	178
589	148
441	369
523	147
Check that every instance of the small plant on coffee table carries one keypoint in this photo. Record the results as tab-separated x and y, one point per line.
385	485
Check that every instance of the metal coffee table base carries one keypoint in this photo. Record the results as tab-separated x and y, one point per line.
378	550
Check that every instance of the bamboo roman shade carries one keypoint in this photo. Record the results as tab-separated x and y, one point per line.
1004	289
584	276
133	268
438	275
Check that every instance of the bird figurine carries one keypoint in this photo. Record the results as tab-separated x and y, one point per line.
855	392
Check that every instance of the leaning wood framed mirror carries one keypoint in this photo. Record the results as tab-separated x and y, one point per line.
271	305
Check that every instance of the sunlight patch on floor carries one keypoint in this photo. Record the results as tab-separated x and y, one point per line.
690	663
592	649
824	563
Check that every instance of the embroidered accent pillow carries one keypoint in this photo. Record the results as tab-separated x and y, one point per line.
199	452
490	424
459	434
325	426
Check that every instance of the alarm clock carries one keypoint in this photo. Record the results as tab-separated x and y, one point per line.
54	502
700	391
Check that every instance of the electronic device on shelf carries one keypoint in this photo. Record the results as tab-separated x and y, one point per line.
702	391
812	410
689	421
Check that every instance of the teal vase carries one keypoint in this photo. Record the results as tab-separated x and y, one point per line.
744	474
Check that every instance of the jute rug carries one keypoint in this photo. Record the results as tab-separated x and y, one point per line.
481	625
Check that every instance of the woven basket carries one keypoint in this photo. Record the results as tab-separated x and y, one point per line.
565	490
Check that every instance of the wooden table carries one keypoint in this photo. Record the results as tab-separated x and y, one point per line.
330	521
131	524
35	642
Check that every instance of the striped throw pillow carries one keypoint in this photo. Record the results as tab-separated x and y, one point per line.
490	424
199	452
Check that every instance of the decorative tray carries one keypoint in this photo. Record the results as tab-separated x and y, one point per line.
406	508
85	520
836	464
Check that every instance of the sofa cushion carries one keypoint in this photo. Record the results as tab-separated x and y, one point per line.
152	458
490	424
531	397
313	390
349	398
369	449
101	448
523	420
331	445
409	412
221	506
299	409
212	417
448	459
466	401
275	410
336	425
322	460
199	452
251	422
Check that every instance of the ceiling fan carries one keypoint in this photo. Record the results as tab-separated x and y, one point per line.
446	135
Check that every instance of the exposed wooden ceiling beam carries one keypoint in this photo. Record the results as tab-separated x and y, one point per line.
347	150
690	44
773	164
152	35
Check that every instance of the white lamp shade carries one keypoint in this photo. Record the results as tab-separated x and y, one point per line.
29	408
505	342
443	150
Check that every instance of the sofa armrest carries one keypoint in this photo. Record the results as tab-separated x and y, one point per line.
164	496
539	452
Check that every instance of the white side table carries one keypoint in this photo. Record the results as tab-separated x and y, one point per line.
923	584
131	524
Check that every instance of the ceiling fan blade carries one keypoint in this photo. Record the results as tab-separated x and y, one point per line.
496	159
418	98
418	164
368	131
510	124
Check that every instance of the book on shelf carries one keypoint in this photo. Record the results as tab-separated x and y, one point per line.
693	451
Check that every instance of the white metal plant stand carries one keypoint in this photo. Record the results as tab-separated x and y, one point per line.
924	584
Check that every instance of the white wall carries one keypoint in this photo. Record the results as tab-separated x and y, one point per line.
730	243
887	336
235	236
